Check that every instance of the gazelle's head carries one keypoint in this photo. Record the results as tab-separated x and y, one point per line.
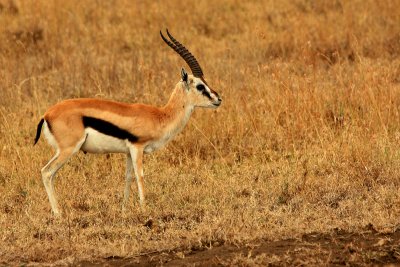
198	93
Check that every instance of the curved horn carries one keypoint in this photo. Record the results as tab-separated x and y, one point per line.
184	53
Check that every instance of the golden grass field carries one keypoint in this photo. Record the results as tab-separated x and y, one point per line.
307	138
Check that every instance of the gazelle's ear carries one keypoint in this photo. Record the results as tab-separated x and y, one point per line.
184	75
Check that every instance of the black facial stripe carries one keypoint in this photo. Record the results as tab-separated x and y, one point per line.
204	81
207	94
108	128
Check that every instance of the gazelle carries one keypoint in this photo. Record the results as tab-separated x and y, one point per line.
104	126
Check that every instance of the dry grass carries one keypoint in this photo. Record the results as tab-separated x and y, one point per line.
307	138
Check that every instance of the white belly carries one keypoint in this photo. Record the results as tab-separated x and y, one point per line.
97	142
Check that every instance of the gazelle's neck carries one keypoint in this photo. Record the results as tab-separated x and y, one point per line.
178	109
177	113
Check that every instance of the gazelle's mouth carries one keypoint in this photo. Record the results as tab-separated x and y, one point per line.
217	104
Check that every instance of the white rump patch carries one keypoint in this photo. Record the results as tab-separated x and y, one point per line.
49	136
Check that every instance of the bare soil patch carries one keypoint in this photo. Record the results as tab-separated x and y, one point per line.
334	249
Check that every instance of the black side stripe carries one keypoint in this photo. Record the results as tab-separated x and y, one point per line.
108	128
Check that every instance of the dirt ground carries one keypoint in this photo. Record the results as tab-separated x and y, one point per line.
338	248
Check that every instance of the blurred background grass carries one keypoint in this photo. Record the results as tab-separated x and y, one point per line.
306	139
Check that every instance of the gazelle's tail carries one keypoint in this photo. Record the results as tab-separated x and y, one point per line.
39	130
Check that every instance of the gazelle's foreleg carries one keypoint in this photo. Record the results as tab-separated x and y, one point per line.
128	181
136	153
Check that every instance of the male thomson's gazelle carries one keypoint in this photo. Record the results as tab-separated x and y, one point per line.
104	126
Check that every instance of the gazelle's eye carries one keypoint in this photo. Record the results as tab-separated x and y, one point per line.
200	87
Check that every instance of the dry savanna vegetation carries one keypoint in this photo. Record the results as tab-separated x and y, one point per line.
307	139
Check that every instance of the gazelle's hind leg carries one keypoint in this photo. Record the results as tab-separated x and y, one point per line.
49	171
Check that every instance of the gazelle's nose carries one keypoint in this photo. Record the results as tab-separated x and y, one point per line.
218	103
